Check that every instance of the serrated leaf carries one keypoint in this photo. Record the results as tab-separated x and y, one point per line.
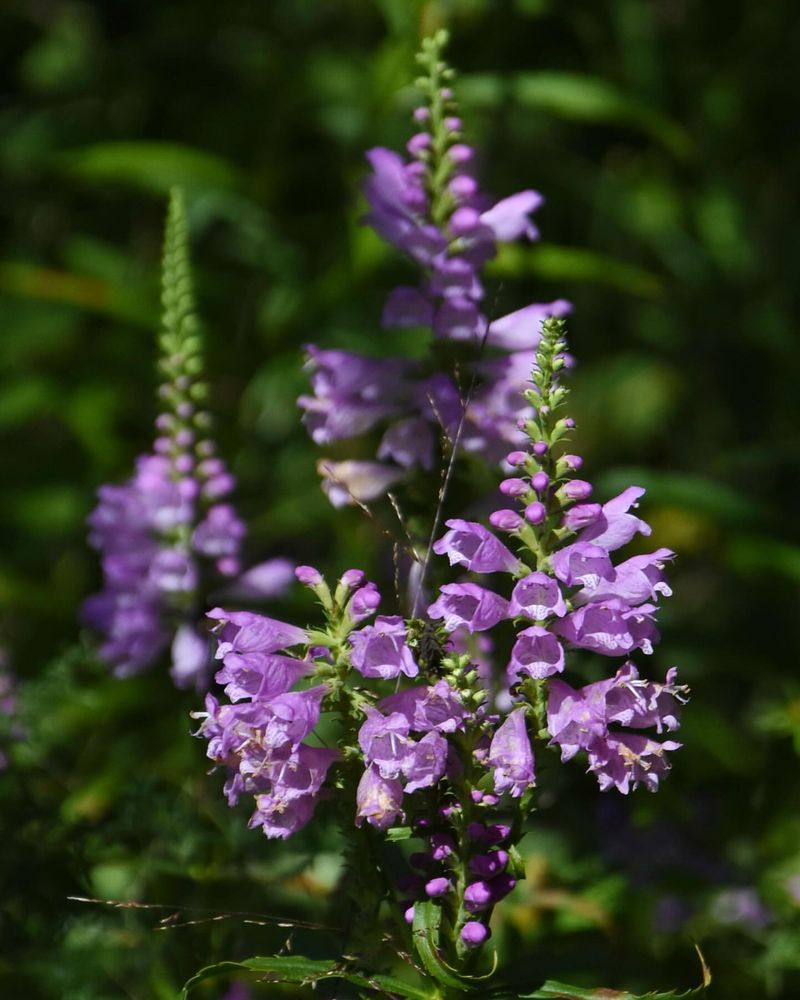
560	991
300	970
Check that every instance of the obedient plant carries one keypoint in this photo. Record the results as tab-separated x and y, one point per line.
430	207
418	746
168	536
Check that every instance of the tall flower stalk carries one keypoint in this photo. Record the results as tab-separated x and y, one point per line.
429	206
168	536
422	750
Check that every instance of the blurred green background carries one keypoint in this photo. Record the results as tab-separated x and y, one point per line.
663	135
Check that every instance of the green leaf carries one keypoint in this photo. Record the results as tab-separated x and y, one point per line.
560	991
398	833
154	166
307	971
427	918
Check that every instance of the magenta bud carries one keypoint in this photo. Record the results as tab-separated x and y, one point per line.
219	486
477	895
162	446
205	448
408	915
184	438
438	887
417	143
460	153
184	410
516	458
490	799
442	846
352	577
228	566
505	520
514	487
581	516
573	462
308	576
476	795
501	886
365	600
576	489
452	123
568	422
421	823
164	421
463	186
188	488
535	512
415	170
464	220
539	449
211	467
446	94
183	464
421	115
474	933
540	482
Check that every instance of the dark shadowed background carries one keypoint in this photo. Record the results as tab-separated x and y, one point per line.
663	134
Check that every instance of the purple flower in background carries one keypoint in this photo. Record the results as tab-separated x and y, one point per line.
166	529
449	235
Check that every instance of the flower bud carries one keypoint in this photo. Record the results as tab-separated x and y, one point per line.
183	464
581	516
572	462
576	489
477	895
452	123
535	512
421	115
539	449
463	186
463	221
438	887
308	576
505	520
352	578
442	846
540	482
497	833
228	566
460	153
417	143
364	602
487	865
514	487
516	458
408	916
474	933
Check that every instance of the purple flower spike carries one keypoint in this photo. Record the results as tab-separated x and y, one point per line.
476	548
474	934
537	596
380	650
470	606
536	653
511	756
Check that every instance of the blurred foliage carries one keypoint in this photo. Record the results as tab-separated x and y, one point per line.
660	134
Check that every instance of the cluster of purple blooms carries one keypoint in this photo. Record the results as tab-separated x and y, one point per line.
430	208
434	750
169	533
